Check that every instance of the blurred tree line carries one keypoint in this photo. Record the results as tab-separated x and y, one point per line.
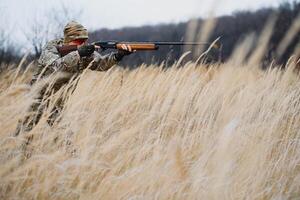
231	28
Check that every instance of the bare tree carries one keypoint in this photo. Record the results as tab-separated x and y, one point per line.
44	29
38	35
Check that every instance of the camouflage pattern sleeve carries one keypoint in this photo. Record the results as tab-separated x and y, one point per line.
103	63
51	59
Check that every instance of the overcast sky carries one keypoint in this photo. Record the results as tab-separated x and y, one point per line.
17	14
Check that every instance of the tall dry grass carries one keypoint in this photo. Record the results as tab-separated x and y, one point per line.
224	132
230	131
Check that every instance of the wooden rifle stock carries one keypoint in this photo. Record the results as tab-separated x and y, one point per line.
64	50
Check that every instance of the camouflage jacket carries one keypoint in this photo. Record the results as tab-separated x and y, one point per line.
51	62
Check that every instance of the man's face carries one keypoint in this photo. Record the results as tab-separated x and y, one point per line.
78	42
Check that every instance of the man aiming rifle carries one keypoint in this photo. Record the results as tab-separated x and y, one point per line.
72	55
71	64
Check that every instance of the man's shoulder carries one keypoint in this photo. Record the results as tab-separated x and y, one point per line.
50	52
55	42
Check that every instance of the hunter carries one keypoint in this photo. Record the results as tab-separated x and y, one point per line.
70	65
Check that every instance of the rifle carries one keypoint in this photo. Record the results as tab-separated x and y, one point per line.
135	46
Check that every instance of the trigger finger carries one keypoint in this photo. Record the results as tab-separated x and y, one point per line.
129	48
124	47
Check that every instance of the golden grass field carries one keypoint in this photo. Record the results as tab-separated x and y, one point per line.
227	132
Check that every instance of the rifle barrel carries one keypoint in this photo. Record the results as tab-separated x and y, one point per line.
169	43
181	43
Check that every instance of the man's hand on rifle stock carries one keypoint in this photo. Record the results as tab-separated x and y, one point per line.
124	51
